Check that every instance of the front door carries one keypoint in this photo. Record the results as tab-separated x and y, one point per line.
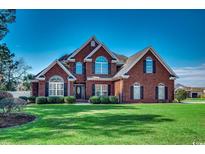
78	92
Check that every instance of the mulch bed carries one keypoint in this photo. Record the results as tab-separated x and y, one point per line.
15	119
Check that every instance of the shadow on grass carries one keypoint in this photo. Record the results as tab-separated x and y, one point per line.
56	122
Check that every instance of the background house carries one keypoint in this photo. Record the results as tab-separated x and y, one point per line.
193	92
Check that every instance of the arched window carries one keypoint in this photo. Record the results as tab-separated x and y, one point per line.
56	86
161	91
101	65
79	68
136	91
149	65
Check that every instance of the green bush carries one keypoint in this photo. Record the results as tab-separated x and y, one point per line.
94	99
69	99
180	95
41	100
32	99
104	100
55	99
9	105
4	94
23	97
113	99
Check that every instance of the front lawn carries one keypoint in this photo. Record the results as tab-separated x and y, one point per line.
110	124
194	100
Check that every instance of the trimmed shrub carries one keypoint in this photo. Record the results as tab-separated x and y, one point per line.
41	100
55	99
180	95
104	100
23	97
9	105
69	99
94	99
4	94
32	99
113	99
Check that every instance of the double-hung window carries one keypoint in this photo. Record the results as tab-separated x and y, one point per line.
149	65
161	91
101	65
56	86
101	90
79	68
136	91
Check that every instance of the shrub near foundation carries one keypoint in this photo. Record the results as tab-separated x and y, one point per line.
41	100
94	99
55	99
69	99
113	99
32	99
104	100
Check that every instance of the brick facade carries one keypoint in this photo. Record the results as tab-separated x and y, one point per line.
119	87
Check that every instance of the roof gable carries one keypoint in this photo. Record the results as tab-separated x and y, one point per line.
83	46
136	58
87	58
53	64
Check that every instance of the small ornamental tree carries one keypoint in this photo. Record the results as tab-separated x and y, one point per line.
180	95
9	105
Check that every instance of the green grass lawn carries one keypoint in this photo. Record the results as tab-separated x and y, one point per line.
194	100
110	124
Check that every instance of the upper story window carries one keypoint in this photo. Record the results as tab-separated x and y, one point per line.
101	65
149	65
79	68
56	86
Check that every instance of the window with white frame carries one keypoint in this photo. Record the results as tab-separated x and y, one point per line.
149	65
136	91
101	90
101	65
161	91
79	68
56	86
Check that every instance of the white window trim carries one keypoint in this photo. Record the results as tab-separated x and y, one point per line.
161	86
149	59
56	85
101	66
135	86
101	89
79	66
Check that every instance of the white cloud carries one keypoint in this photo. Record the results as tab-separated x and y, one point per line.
191	76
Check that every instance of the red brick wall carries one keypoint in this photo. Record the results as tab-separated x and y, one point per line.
34	88
118	89
148	81
41	88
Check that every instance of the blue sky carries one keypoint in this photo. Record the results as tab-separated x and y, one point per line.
41	36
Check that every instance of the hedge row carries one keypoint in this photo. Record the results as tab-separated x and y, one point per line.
103	100
55	100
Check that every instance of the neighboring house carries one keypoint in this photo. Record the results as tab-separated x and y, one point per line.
192	92
94	70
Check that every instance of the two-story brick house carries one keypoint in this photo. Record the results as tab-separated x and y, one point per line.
94	70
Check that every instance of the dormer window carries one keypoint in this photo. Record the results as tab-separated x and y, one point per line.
92	43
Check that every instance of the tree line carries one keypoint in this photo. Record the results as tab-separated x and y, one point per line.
13	71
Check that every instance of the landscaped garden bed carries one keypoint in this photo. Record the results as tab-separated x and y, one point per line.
15	119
